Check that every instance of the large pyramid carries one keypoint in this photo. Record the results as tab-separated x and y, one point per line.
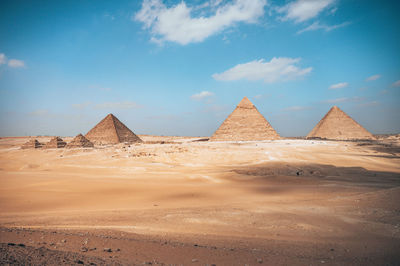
337	125
245	123
111	131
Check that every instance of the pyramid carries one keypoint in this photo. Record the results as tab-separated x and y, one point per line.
245	123
111	131
80	142
32	144
337	125
55	142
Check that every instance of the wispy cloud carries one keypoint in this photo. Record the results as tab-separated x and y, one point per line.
3	59
339	86
40	112
201	95
317	26
109	16
276	70
169	117
303	10
216	109
118	105
15	63
97	87
369	104
81	106
344	99
373	77
396	84
296	108
177	24
261	96
384	92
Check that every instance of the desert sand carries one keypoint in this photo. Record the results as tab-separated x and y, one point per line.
181	200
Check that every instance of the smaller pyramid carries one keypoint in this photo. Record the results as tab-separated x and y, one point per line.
55	142
245	123
80	142
337	125
32	144
111	131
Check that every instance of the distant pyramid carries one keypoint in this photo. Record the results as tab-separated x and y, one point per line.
111	131
336	124
32	144
55	142
245	123
80	142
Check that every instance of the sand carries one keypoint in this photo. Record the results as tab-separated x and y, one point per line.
279	202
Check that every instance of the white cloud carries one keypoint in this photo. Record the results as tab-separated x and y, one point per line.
118	105
201	95
302	10
339	85
16	63
317	26
3	59
278	69
396	84
176	23
374	77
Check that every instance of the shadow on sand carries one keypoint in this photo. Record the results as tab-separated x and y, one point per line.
308	174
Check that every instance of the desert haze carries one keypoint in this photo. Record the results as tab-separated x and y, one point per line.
183	200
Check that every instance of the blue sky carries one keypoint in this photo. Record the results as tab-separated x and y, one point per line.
180	67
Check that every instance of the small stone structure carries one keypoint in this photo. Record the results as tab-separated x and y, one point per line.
32	144
54	143
80	142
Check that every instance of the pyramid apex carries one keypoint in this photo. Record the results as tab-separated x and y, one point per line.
245	103
336	109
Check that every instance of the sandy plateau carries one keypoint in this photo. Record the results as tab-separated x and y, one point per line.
177	200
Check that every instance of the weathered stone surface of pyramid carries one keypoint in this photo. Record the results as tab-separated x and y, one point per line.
337	125
32	144
111	131
245	123
55	142
80	142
